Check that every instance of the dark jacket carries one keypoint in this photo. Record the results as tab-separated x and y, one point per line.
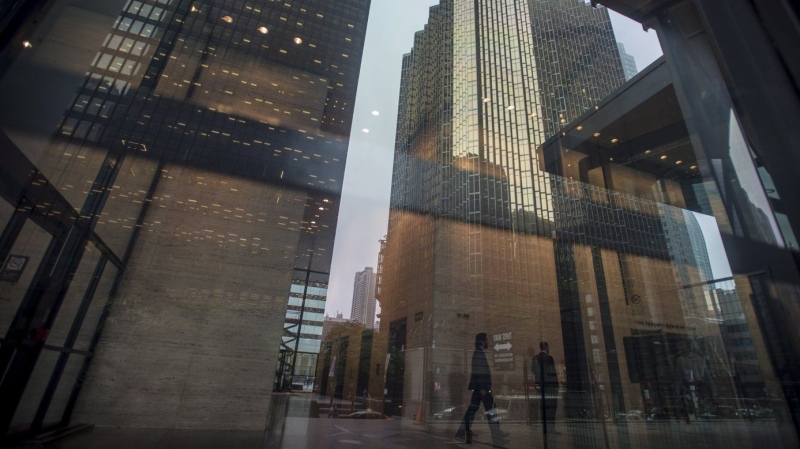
481	377
544	368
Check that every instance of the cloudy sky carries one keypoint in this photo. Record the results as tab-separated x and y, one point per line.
365	201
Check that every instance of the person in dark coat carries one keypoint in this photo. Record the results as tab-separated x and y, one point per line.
543	368
480	382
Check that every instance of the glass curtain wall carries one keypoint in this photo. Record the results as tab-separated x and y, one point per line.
572	255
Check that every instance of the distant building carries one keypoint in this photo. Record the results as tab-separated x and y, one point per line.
364	298
628	62
329	322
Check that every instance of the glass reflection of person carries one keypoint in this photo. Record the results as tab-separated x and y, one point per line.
692	372
543	368
480	382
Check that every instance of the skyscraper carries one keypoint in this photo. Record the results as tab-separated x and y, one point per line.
628	62
469	199
363	310
197	171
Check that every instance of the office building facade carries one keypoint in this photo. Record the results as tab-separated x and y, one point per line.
192	190
628	62
363	310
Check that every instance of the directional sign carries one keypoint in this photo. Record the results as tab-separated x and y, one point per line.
502	347
502	355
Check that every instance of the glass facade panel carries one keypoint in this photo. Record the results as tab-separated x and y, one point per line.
565	224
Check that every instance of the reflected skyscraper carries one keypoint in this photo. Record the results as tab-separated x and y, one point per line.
628	62
469	239
363	309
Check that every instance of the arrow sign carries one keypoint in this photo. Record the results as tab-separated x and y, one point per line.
503	347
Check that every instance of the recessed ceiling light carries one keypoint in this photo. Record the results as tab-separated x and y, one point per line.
596	134
563	121
579	127
376	113
648	151
321	208
365	130
511	108
534	115
486	100
27	44
678	162
298	41
693	167
664	156
227	19
614	140
263	30
193	9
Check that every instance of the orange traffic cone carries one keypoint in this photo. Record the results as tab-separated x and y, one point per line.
419	415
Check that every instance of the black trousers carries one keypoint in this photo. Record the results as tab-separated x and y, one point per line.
475	403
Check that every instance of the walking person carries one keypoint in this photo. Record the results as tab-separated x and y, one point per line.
480	382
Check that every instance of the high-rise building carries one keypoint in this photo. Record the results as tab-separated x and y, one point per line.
363	310
195	181
628	62
504	223
472	211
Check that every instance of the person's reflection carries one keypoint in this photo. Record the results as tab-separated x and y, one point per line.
695	381
543	368
480	382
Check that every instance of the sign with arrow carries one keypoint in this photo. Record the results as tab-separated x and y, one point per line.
503	357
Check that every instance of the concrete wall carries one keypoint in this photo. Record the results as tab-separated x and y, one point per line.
190	340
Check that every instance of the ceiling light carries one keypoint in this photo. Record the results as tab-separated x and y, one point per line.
614	140
376	113
227	19
534	115
263	30
321	208
27	44
563	121
298	41
365	130
486	100
193	9
511	108
664	156
693	167
678	162
596	134
579	127
648	151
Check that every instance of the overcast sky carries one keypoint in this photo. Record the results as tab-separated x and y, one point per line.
365	200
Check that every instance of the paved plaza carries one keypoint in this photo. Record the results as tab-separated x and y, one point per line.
291	428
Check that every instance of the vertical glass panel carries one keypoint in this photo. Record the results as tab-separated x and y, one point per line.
99	301
127	198
28	250
64	390
35	389
74	297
